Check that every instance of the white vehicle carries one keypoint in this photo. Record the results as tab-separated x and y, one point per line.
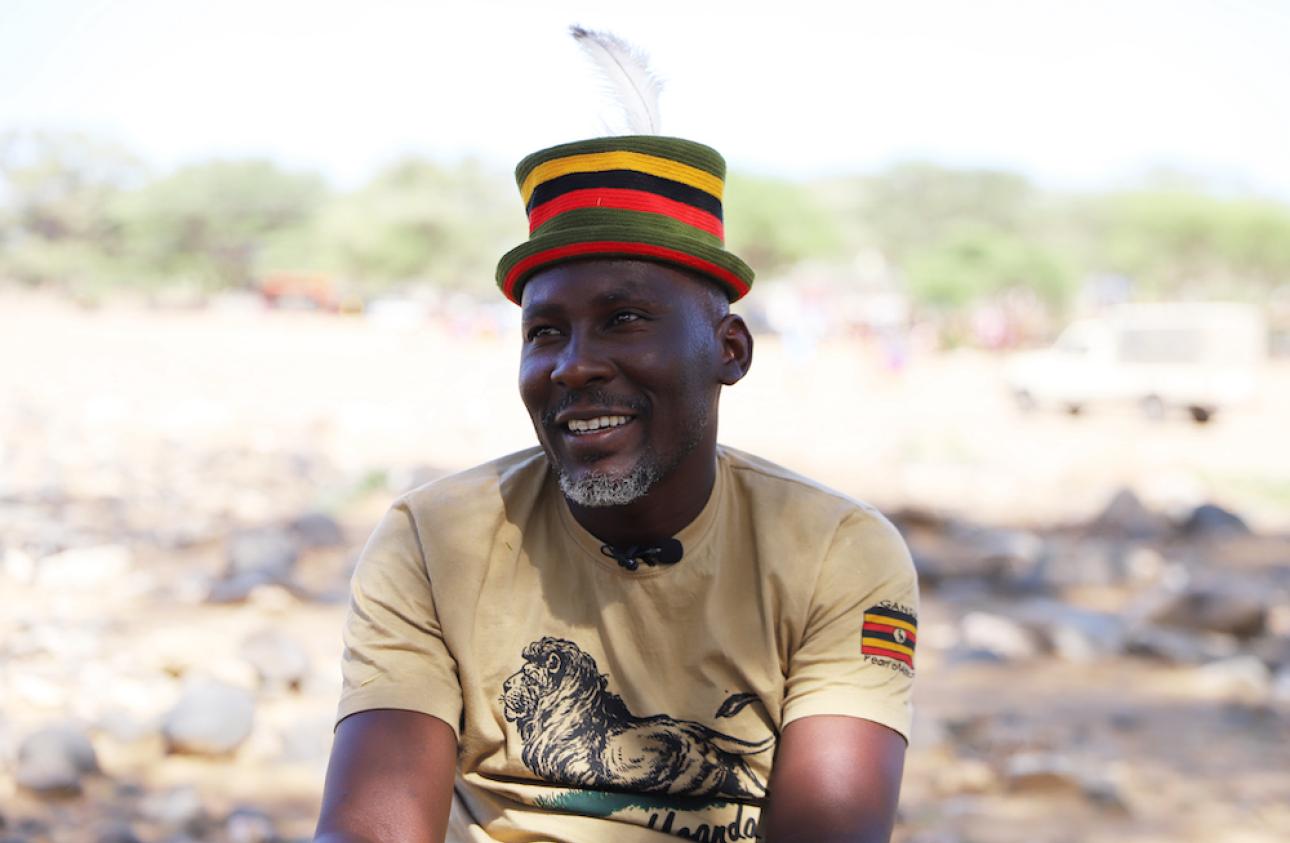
1199	357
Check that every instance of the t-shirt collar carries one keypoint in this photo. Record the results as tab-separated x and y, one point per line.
691	536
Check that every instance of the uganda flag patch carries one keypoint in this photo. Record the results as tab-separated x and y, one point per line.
889	633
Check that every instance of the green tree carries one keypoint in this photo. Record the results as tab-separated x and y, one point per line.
976	261
59	197
213	223
911	206
773	224
417	220
1179	242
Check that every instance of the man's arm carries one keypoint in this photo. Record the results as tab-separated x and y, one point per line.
389	779
835	780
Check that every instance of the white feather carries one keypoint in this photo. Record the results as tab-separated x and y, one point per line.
627	78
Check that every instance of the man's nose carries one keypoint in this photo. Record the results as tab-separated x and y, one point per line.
582	361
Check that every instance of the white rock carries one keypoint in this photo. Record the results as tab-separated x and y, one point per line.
54	759
1281	686
999	635
18	566
38	691
211	718
180	808
84	568
1244	678
279	660
250	825
1045	772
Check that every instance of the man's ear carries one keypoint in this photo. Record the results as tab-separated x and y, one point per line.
736	344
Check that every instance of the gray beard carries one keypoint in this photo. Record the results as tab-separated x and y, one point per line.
598	489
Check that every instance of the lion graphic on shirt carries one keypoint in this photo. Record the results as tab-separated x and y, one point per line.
575	731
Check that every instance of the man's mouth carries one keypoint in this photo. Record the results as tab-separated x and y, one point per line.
579	427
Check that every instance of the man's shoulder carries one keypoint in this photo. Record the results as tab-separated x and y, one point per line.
760	476
494	483
794	504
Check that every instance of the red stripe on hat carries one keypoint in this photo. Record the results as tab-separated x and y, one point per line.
600	247
626	200
871	650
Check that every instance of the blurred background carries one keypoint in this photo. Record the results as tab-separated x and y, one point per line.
1023	282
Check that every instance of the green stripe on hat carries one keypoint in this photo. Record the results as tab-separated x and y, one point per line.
579	233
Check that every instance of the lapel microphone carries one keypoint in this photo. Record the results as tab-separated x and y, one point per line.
666	552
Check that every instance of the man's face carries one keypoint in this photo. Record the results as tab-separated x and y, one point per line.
620	373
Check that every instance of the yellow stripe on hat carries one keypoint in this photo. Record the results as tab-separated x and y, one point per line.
593	162
886	645
889	621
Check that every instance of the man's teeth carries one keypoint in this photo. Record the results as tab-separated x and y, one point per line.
588	425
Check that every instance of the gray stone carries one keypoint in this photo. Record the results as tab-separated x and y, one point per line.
1072	633
1213	521
250	825
211	718
237	588
308	741
965	775
317	530
1126	517
1042	772
1227	608
928	731
960	655
1051	773
54	760
1280	689
963	553
1274	650
1000	635
268	551
1106	795
1083	561
278	659
180	809
116	832
124	727
1001	555
1177	646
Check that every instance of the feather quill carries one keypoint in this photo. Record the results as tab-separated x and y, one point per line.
627	77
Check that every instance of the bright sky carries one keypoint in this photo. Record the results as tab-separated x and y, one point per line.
1075	94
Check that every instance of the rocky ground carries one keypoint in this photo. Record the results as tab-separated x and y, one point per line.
1105	648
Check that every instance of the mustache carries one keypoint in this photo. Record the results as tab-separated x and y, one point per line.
597	398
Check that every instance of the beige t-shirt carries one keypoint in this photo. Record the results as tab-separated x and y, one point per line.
593	703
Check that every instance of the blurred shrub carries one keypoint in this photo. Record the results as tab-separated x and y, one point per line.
77	212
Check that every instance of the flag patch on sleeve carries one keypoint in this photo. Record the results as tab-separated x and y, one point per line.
889	633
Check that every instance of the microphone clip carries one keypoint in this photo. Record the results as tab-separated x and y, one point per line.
666	552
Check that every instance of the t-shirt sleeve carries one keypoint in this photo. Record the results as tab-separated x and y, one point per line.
856	654
395	655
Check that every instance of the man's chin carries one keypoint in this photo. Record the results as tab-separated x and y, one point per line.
596	489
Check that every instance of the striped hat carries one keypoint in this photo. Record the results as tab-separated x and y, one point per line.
632	196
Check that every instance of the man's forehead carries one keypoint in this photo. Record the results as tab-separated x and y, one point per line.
607	282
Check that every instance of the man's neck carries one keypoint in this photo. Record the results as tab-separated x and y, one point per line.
662	513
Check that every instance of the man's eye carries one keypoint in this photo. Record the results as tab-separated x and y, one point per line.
623	317
539	331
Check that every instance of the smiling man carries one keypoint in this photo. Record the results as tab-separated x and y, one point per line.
629	633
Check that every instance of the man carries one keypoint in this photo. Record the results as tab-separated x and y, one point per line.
611	637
